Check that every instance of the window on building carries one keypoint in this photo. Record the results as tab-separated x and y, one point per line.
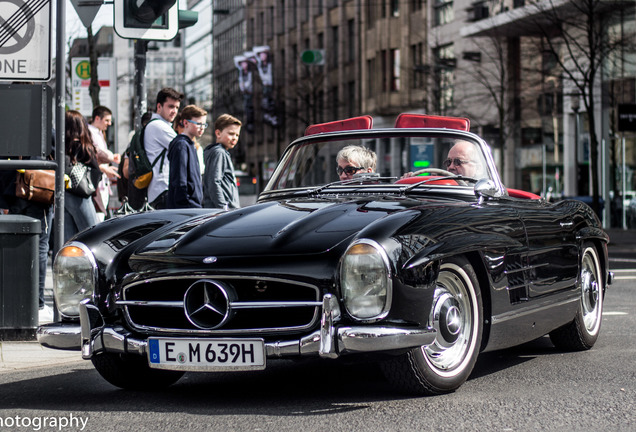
320	107
395	70
305	11
371	74
417	55
385	75
334	104
292	13
416	5
371	14
351	37
351	99
335	44
295	59
395	8
270	24
283	17
444	73
443	12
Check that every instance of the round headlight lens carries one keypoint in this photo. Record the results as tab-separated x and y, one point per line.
74	278
366	280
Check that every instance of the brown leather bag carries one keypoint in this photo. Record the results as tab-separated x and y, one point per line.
36	185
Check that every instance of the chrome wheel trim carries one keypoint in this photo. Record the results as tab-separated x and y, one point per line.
455	318
591	291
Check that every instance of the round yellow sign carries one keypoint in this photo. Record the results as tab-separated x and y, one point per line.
83	69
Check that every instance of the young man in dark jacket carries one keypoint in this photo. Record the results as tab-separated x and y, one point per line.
184	185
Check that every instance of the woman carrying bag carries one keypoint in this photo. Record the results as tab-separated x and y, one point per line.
83	170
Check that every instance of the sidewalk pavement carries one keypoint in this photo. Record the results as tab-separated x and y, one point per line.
23	355
15	356
621	241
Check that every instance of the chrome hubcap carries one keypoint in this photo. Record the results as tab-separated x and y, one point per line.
590	293
452	317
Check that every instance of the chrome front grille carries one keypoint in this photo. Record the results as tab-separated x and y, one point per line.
255	305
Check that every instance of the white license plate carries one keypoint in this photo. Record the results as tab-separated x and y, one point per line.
206	354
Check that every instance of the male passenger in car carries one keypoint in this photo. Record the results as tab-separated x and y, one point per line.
354	159
462	160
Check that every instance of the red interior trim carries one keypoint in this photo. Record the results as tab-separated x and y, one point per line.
354	123
429	121
417	179
516	193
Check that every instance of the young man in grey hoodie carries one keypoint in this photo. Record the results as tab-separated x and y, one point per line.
219	182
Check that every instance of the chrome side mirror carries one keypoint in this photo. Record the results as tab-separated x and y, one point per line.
486	188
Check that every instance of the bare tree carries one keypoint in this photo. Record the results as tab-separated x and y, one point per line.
575	32
93	87
488	68
308	93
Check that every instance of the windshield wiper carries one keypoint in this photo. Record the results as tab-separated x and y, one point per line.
453	177
357	179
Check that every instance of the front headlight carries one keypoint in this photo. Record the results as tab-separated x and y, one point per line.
74	278
365	280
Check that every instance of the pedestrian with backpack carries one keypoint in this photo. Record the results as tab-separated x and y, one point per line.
157	136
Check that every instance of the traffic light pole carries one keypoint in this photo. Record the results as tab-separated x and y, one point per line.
141	106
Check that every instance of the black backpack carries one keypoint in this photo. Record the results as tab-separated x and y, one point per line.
139	166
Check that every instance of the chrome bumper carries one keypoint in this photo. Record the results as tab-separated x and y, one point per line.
91	336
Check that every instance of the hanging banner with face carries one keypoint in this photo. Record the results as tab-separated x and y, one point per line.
262	57
246	64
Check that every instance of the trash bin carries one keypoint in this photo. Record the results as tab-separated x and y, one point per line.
19	275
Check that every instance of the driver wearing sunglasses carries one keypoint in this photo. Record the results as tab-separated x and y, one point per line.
353	160
461	159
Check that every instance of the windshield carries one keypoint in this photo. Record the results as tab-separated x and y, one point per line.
317	161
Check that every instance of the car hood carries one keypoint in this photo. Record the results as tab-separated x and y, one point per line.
291	227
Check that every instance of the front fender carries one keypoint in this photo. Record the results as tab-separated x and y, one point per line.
459	244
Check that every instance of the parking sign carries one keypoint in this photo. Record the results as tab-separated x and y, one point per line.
25	40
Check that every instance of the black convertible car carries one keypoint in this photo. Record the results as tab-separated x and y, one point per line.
420	272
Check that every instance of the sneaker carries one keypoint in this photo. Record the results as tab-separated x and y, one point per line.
45	315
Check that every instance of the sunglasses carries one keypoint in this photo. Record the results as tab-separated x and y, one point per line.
203	125
349	170
456	162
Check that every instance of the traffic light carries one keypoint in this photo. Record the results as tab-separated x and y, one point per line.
187	18
146	19
313	57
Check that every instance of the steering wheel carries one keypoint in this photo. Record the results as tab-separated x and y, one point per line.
436	171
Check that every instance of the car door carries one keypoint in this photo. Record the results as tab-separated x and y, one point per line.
552	256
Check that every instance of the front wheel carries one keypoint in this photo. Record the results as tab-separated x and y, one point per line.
581	334
132	372
457	315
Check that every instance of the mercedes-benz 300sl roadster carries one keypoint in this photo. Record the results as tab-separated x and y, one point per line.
398	245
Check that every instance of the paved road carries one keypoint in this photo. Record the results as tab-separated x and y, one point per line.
532	387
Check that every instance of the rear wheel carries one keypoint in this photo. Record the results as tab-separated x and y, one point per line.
132	372
445	365
582	332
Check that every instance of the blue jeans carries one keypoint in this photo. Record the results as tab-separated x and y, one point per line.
79	214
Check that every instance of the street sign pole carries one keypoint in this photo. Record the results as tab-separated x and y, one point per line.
60	132
141	47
